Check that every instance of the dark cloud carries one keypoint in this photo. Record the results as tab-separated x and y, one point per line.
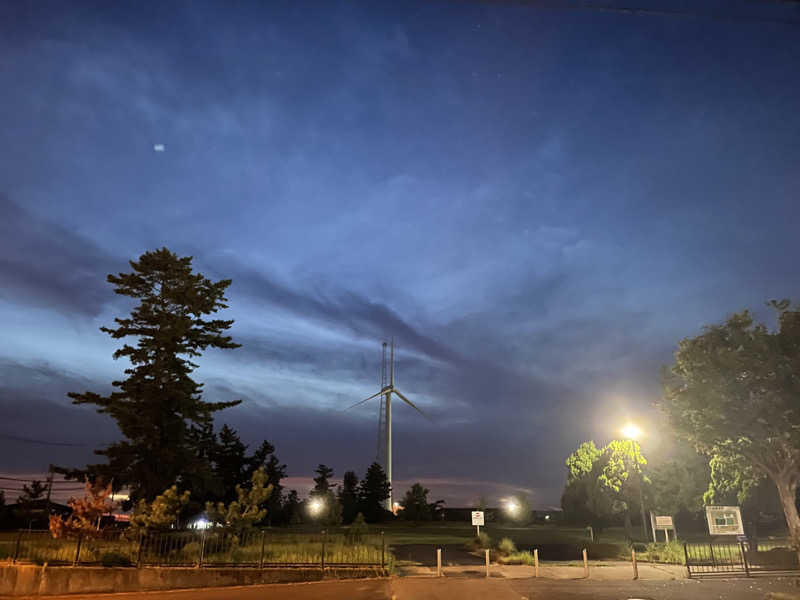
47	265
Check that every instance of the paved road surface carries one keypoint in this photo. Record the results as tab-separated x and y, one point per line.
450	588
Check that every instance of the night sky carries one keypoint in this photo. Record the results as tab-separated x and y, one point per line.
537	204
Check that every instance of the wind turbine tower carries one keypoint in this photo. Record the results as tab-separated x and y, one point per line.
385	415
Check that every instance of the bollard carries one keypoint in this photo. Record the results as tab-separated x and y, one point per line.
536	562
487	563
585	564
635	566
438	562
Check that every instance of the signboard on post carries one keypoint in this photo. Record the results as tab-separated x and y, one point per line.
724	520
664	522
477	519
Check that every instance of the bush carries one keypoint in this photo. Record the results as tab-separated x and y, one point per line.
191	551
506	547
516	558
115	559
671	553
481	541
639	547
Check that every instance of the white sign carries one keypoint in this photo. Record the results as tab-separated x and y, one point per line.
664	522
724	520
477	517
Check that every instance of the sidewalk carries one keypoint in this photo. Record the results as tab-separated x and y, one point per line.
605	571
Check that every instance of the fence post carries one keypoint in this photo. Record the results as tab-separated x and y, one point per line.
686	557
438	562
383	550
139	552
263	540
536	561
16	548
635	567
585	564
487	562
202	548
744	559
77	550
324	535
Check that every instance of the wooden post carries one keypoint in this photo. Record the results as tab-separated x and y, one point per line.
77	551
635	566
536	561
263	541
323	552
383	550
585	564
487	562
438	562
16	547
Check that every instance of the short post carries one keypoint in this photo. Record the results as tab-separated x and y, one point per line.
17	546
686	556
591	533
635	566
487	562
324	535
744	559
383	550
263	541
536	562
438	562
585	564
77	551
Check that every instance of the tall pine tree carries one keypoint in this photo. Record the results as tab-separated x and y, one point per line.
158	405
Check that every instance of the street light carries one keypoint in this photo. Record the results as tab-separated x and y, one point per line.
633	433
512	506
315	506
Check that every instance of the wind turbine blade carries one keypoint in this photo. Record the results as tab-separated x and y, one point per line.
365	400
410	403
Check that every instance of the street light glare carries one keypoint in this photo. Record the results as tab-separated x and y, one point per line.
315	507
631	431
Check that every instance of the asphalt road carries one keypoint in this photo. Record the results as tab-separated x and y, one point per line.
449	588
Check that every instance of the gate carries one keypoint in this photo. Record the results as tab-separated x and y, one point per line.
739	558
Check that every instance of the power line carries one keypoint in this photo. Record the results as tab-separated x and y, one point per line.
16	438
61	482
656	12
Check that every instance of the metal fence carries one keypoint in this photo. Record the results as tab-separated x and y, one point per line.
739	558
209	547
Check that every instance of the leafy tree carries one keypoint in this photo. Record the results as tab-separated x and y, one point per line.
373	491
579	497
162	512
158	403
348	496
677	483
622	477
321	481
30	502
86	513
733	393
246	510
275	471
415	504
33	492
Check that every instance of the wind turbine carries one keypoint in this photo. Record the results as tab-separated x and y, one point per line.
385	426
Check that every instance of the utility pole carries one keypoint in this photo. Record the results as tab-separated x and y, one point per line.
49	491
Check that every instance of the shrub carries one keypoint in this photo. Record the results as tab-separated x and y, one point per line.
639	547
516	558
191	551
115	559
481	541
671	552
506	547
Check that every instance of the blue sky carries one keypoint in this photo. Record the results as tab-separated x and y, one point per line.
537	204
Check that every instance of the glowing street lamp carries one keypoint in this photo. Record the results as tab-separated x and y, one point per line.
315	506
512	506
631	431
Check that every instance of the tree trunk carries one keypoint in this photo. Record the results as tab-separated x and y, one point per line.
628	525
787	491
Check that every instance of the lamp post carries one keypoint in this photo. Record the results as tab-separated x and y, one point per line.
632	432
